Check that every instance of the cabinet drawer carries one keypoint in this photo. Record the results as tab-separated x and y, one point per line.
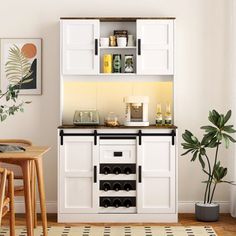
117	154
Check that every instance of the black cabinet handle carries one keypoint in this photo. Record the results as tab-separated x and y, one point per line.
96	46
139	46
140	174
95	174
118	154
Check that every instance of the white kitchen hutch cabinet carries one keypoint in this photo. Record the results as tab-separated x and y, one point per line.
82	54
97	163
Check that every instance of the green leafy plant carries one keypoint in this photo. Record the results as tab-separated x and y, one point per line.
215	135
18	71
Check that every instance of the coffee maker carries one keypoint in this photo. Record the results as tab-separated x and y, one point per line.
136	111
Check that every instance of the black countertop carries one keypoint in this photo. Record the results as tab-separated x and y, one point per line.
65	126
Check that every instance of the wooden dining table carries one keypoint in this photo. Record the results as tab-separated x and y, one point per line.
25	159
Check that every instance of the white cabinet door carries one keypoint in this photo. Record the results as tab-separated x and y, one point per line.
80	54
155	40
156	188
78	188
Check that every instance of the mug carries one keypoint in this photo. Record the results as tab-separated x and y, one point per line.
121	41
104	42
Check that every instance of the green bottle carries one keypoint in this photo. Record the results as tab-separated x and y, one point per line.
116	63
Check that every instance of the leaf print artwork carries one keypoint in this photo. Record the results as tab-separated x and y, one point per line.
17	67
21	65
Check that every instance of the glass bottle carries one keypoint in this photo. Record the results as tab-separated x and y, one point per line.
116	170
106	202
159	117
106	186
168	115
117	186
117	202
116	63
127	203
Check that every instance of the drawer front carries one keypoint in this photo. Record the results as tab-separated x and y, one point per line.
117	154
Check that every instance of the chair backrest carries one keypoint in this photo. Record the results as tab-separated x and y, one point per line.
21	142
3	179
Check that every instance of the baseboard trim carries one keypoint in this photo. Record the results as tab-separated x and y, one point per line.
184	206
50	205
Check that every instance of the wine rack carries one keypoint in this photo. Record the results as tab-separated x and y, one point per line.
118	168
118	185
117	202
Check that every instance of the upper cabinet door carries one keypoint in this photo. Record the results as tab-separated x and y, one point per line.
155	40
80	54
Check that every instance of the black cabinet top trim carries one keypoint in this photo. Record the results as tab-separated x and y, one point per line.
114	19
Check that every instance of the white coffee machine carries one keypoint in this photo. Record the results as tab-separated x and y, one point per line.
136	111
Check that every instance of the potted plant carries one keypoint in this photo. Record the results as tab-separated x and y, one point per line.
216	134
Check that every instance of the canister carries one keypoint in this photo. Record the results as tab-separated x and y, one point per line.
112	41
129	63
107	63
116	63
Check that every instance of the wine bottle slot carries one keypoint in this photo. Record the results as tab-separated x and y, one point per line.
106	202
127	187
106	170
106	186
117	186
127	170
116	170
127	203
117	202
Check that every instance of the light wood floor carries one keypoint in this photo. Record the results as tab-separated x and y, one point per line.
226	226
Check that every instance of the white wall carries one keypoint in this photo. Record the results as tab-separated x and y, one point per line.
200	65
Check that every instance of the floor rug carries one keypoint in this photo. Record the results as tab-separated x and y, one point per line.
117	231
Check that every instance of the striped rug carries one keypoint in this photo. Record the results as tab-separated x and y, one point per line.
118	231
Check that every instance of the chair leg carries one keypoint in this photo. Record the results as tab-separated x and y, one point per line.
12	208
33	190
25	165
39	169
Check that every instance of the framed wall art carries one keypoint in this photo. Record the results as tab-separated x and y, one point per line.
21	64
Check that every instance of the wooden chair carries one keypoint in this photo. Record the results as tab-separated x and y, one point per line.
7	198
18	175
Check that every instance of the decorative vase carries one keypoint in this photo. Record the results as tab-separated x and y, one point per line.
207	212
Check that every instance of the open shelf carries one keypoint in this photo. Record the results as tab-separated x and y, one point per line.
117	47
116	74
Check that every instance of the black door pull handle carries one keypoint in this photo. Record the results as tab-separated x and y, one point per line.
95	174
118	154
139	47
140	174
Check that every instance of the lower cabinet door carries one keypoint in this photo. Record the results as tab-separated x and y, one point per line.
78	187
156	180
